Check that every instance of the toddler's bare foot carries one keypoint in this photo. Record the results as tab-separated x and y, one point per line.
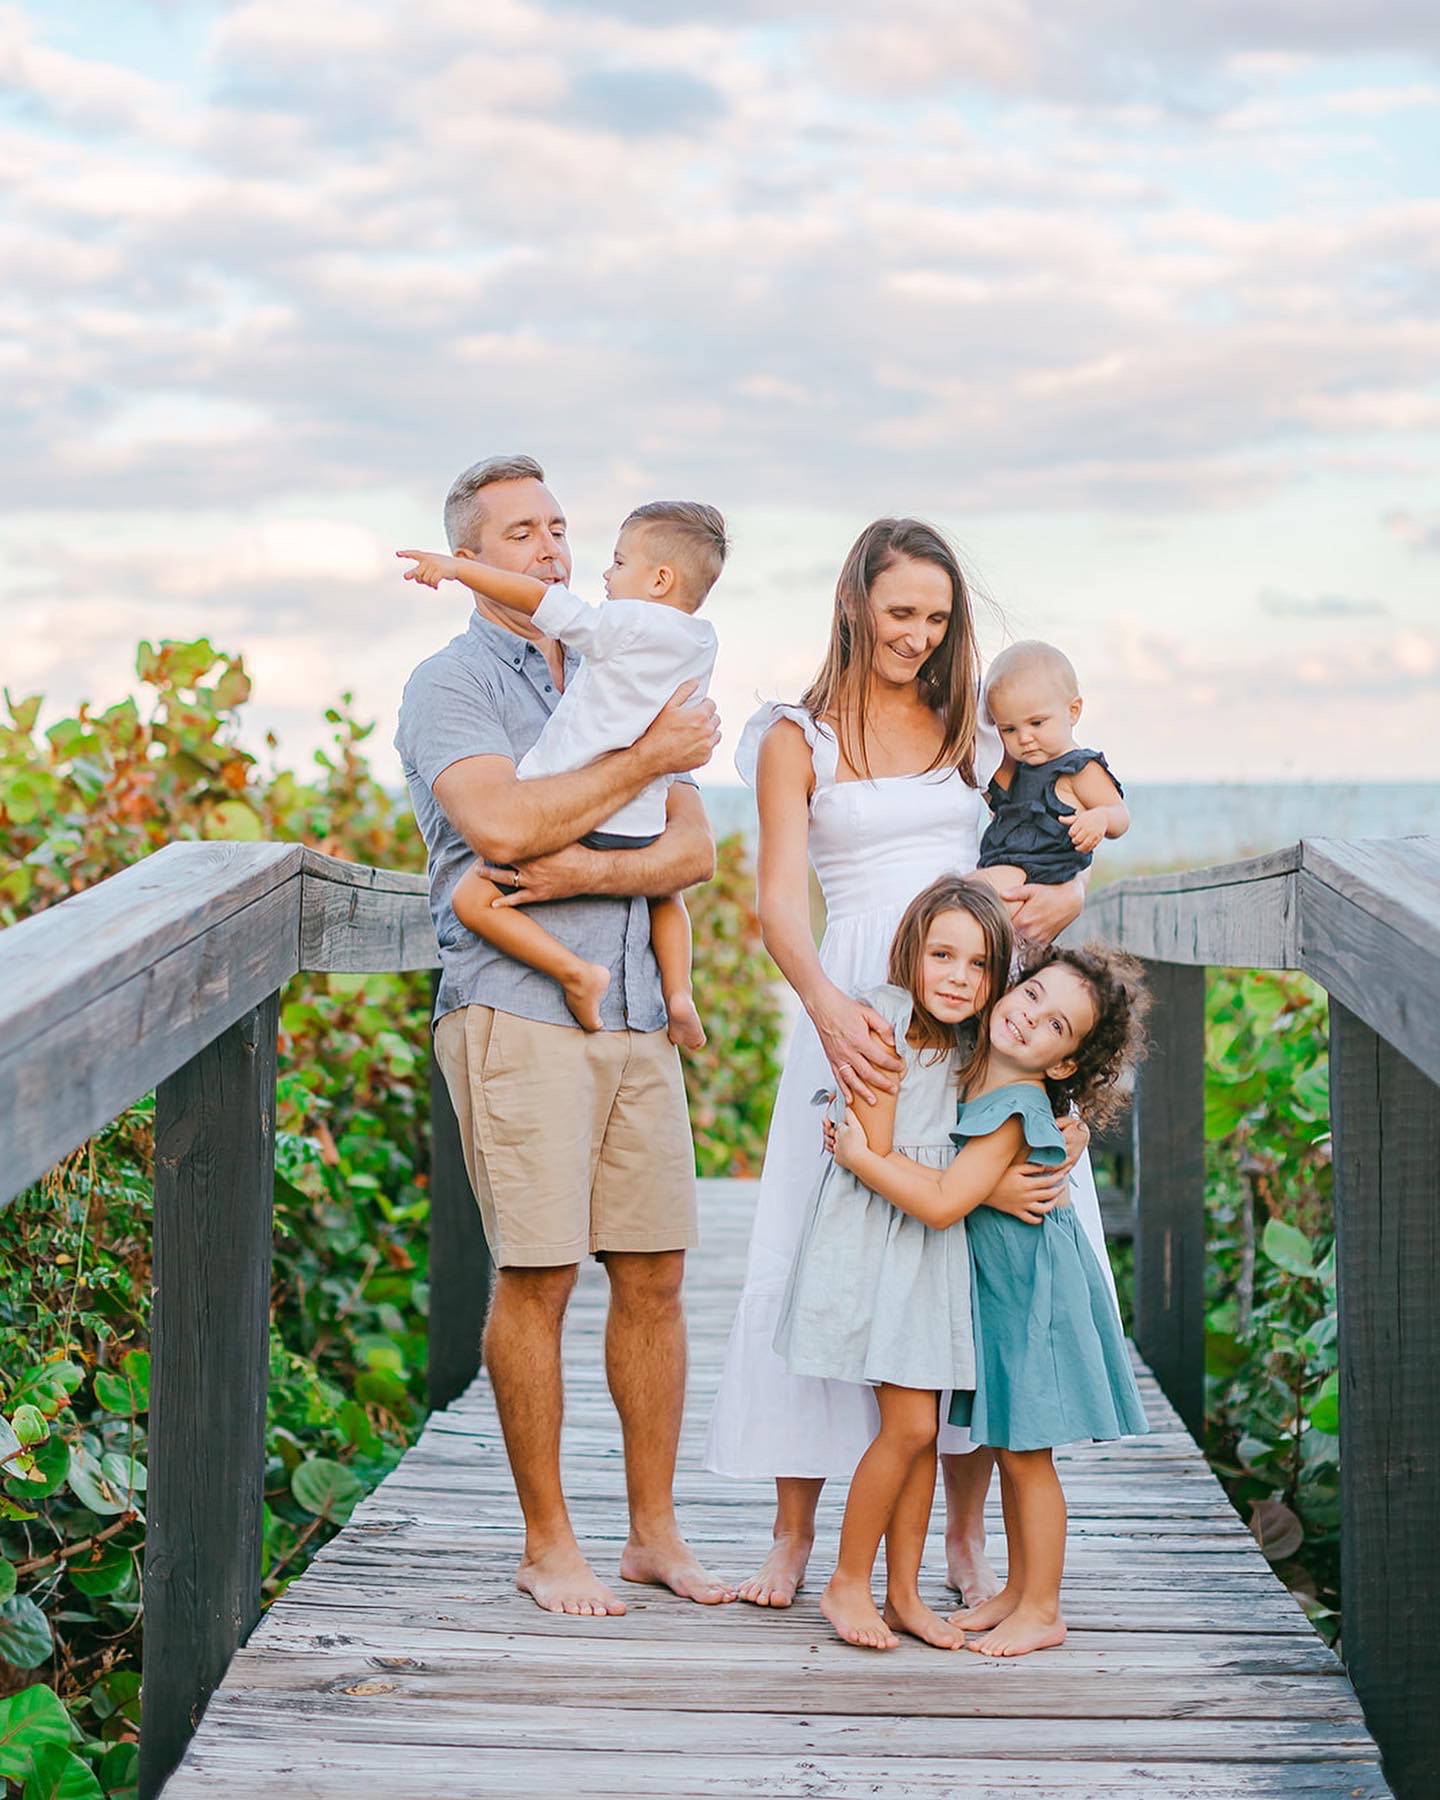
685	1026
584	991
912	1615
782	1574
850	1608
561	1581
984	1618
969	1571
669	1562
1025	1630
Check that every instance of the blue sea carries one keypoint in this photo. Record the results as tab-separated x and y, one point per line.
1185	825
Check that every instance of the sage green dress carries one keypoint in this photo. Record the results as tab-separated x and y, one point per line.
1052	1366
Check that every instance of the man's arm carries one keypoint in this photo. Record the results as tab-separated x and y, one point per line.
508	821
681	856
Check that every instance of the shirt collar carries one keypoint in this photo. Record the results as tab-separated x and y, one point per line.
509	646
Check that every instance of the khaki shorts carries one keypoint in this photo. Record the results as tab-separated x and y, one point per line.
575	1141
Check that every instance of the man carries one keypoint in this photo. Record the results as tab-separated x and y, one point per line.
576	1142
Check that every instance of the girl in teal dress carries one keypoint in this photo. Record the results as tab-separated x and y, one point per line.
1051	1362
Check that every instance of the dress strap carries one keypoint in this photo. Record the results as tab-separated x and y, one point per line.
824	751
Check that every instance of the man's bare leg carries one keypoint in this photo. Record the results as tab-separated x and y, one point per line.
780	1577
522	1353
645	1363
967	1482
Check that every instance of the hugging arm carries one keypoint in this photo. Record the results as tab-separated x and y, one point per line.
937	1197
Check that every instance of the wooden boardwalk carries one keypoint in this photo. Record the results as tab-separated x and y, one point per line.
403	1663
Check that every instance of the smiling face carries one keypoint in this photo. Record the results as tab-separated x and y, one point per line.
1036	719
1038	1026
954	967
910	607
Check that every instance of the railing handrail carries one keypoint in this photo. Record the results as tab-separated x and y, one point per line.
1361	917
106	994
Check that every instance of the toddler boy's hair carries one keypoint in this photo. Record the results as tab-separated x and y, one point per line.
691	538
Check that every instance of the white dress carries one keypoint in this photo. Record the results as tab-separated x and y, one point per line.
874	845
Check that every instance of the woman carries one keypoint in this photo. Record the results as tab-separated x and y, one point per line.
877	778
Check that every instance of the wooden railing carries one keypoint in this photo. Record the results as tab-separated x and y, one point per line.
1362	919
168	976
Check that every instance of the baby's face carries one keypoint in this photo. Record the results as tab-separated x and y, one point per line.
1035	718
633	567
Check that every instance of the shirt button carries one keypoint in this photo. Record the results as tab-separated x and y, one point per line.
547	687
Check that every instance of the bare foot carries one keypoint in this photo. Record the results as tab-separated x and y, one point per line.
670	1563
912	1615
584	991
984	1618
685	1027
969	1571
782	1574
850	1608
561	1581
1025	1630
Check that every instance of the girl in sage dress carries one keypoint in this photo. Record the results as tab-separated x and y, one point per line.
1051	1363
877	1297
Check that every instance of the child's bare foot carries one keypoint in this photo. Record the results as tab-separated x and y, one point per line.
987	1616
781	1576
685	1026
584	991
969	1571
913	1616
850	1608
1025	1630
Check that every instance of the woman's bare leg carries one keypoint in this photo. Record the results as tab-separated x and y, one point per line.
1039	1504
988	1613
967	1484
904	1610
909	1420
779	1577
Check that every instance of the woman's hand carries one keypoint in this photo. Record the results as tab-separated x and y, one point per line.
850	1140
1042	912
1076	1134
859	1045
1027	1191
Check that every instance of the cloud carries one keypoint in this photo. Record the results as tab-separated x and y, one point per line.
1320	606
1421	531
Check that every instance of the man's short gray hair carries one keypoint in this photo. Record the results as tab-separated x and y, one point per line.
464	509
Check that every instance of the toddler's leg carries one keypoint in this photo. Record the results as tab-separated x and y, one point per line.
1039	1508
1004	877
511	929
909	1421
904	1548
670	940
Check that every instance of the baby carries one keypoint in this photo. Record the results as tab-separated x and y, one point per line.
1052	802
637	649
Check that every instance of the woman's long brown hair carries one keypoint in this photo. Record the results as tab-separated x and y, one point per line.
953	893
950	676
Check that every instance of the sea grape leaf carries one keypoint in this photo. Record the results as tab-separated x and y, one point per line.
326	1488
29	1720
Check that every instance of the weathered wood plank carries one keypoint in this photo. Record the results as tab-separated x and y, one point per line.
1385	1115
77	1073
1169	1119
214	1188
1234	914
363	920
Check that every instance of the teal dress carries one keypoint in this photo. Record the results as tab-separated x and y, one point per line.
1052	1365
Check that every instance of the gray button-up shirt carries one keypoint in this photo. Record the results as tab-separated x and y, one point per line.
489	693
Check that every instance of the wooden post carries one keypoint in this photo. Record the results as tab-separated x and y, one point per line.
459	1259
214	1188
1170	1190
1385	1115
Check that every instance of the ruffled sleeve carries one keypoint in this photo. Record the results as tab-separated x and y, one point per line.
893	1004
1073	761
978	1118
989	752
823	749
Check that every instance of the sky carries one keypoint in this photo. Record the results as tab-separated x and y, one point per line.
1140	303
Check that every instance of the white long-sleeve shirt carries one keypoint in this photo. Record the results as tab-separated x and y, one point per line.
636	653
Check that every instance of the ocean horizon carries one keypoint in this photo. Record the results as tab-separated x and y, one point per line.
1188	824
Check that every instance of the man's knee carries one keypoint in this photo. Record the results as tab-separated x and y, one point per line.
539	1294
646	1282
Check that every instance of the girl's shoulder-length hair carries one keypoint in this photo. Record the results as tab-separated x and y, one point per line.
950	675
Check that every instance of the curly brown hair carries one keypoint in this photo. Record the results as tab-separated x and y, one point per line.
1115	1042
